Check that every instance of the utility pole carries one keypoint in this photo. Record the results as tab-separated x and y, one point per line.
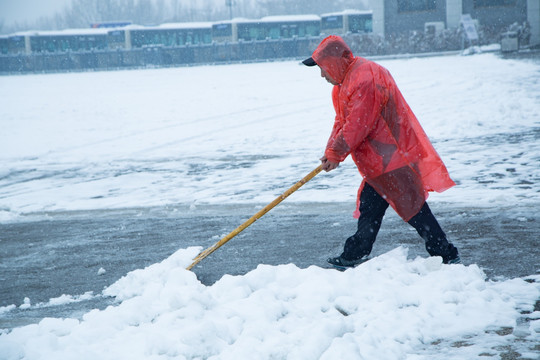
229	3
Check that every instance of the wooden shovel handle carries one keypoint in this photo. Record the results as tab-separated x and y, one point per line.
255	217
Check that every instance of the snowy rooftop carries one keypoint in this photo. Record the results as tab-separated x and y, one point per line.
275	18
183	25
286	18
349	12
66	32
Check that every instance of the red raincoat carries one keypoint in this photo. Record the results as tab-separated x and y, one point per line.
378	128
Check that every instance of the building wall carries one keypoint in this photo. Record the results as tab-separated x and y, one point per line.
449	12
497	16
398	22
533	15
378	16
454	9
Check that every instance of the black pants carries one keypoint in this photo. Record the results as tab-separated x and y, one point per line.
372	209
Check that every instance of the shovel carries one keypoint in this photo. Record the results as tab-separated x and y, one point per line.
255	217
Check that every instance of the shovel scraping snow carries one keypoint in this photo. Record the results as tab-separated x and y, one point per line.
255	217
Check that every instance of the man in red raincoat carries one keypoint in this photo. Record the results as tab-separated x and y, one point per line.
376	126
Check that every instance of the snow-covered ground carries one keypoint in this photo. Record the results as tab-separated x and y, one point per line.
243	134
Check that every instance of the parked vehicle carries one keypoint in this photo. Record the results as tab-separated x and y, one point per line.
270	27
124	35
348	21
173	34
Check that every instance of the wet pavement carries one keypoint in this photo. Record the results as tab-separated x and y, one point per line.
74	253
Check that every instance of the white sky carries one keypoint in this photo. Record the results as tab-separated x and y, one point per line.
29	10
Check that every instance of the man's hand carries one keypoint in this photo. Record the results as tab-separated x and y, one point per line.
328	165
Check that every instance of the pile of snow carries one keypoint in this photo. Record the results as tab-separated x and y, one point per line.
385	308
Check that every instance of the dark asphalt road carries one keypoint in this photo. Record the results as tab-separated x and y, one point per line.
61	253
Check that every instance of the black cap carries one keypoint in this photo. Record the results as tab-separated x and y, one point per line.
309	62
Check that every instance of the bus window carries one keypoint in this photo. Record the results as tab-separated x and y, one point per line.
64	45
312	30
369	26
360	23
51	45
275	33
207	38
4	45
332	22
256	33
221	31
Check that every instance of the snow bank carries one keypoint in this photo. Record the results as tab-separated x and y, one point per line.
384	309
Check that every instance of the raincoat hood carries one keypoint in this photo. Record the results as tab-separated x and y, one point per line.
334	56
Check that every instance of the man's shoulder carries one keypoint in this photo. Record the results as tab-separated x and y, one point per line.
364	64
367	70
362	70
365	76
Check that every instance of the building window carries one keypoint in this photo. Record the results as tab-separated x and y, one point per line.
416	5
489	3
